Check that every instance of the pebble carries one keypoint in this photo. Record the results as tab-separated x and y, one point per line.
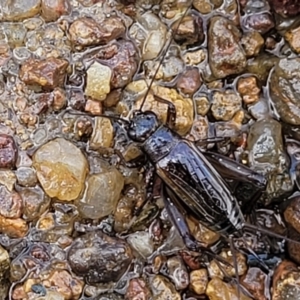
102	193
206	6
286	8
215	271
248	89
284	92
18	10
137	290
178	273
198	281
190	81
252	42
163	289
86	31
35	202
257	283
26	176
219	290
98	81
11	204
226	55
8	152
190	30
14	228
225	105
48	73
292	36
261	22
8	179
61	169
141	243
286	280
53	9
102	135
99	258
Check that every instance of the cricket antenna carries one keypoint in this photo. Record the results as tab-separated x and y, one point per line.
165	51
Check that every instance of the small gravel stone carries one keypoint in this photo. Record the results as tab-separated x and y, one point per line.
26	176
293	38
14	228
252	42
248	89
94	107
47	73
61	169
8	179
189	82
226	55
225	105
286	281
219	290
198	281
8	152
18	9
262	22
163	289
142	243
256	282
101	195
53	9
11	203
99	258
190	30
137	290
98	81
102	135
177	272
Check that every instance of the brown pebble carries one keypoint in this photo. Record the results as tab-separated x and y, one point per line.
293	38
189	82
14	228
48	73
8	152
94	107
252	42
198	281
53	9
248	89
256	281
259	22
137	290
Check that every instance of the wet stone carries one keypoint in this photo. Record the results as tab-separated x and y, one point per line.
94	107
285	92
286	281
226	55
99	258
35	202
14	228
150	35
198	281
189	82
215	271
137	290
103	190
18	10
163	289
206	6
292	213
262	22
48	73
15	33
98	81
86	31
102	135
61	169
141	243
8	152
248	89
121	60
286	8
177	272
252	42
190	30
256	282
225	105
219	290
8	179
53	9
293	38
26	176
10	203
